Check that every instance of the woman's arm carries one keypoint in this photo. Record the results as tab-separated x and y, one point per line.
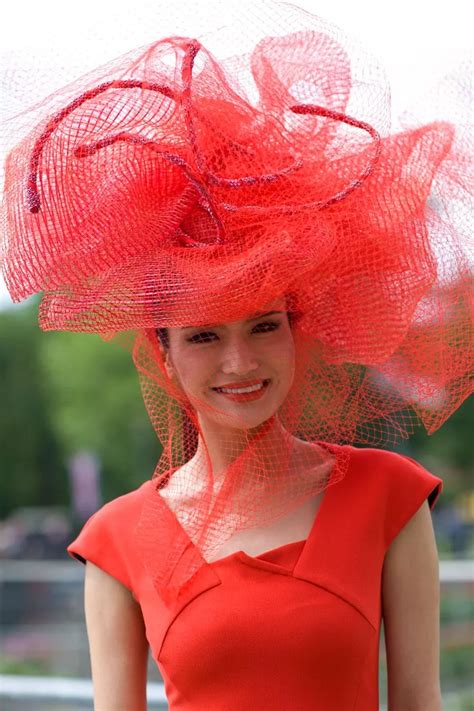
117	643
410	599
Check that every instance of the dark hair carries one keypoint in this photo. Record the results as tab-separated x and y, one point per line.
163	337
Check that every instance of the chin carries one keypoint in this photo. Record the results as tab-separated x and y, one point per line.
242	421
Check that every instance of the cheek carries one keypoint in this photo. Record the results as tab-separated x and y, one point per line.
288	363
284	353
194	368
289	367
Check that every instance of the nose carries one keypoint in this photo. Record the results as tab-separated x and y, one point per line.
239	358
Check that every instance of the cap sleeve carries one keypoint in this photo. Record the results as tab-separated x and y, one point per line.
105	538
409	485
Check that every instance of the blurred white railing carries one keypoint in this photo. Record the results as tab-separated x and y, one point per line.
450	571
76	691
51	689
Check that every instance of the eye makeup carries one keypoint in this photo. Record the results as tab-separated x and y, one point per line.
202	335
220	325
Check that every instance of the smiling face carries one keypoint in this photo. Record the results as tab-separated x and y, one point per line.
257	349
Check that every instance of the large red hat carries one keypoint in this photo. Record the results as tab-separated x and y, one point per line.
174	187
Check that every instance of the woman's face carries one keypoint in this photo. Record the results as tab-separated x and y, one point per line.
259	348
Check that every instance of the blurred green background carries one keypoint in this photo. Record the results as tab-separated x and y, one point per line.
67	392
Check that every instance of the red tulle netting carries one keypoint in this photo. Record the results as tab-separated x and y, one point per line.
175	188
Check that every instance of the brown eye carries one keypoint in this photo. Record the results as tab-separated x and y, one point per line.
200	337
269	326
205	336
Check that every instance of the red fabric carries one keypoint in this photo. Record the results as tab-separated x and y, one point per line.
275	630
193	183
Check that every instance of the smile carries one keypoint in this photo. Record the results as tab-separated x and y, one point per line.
252	392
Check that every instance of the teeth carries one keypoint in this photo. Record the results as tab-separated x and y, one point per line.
250	389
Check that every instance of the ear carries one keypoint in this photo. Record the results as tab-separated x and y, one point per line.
169	368
165	354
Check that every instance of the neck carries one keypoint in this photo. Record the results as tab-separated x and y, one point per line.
266	449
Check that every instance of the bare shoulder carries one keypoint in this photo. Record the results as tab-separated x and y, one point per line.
103	585
117	642
414	549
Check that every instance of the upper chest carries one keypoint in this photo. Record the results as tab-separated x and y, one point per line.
295	526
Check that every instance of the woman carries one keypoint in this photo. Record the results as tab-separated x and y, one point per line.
277	262
254	637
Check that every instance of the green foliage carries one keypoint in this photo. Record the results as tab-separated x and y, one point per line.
32	471
64	392
457	607
98	406
447	453
28	667
456	666
451	443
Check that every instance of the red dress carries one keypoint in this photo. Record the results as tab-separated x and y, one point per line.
296	627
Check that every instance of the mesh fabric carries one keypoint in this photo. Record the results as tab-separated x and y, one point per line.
176	192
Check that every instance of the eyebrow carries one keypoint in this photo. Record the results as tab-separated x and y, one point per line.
252	318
